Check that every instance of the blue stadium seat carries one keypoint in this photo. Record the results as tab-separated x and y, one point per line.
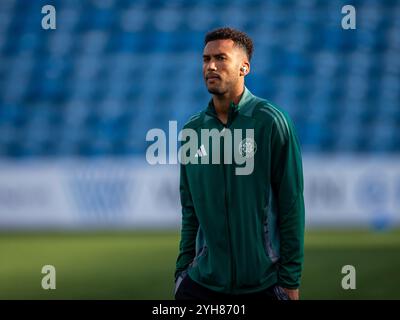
113	70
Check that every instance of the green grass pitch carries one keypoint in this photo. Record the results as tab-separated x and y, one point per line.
140	265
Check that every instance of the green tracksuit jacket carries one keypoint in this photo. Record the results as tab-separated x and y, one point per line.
244	233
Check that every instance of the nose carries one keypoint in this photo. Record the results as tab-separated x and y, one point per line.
211	66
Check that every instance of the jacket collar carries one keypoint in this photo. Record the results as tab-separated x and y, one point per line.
240	107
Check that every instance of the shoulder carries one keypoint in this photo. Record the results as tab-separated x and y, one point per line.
194	121
267	112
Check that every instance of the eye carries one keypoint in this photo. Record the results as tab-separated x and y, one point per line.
221	58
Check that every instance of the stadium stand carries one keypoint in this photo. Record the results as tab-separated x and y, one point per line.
112	70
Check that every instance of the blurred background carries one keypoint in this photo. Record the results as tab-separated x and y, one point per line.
76	103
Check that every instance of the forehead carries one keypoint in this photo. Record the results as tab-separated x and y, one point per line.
226	46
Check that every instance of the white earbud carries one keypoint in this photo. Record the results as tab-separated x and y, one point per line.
244	69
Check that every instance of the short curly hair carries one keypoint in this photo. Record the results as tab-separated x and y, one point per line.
238	37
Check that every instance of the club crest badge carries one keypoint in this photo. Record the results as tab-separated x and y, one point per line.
247	148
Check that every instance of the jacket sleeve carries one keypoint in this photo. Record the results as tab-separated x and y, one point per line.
287	186
189	228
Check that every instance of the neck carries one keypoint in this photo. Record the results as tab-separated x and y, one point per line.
222	103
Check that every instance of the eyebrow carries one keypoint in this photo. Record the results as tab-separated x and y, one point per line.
215	55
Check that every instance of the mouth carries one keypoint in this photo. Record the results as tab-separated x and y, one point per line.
213	77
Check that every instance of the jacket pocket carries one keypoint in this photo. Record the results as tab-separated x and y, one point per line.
202	253
270	235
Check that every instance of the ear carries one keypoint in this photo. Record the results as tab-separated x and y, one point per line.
245	68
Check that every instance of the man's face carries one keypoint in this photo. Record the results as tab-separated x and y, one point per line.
222	60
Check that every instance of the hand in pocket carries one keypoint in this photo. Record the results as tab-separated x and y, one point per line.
281	293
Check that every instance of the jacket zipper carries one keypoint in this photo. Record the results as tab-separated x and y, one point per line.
231	260
228	223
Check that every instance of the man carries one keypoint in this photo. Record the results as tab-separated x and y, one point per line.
242	235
